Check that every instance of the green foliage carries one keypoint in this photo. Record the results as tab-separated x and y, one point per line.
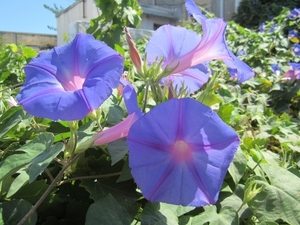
227	215
115	15
12	60
251	13
262	183
285	186
13	211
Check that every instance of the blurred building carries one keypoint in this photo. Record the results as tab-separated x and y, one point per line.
76	17
36	41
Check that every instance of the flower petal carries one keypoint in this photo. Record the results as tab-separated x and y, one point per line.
196	176
213	45
116	132
69	81
130	99
171	43
193	9
192	79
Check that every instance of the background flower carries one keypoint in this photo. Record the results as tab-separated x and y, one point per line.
262	27
294	36
180	151
296	49
294	72
183	49
276	69
294	14
68	82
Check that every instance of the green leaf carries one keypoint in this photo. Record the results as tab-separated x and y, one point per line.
32	192
267	223
92	187
10	119
14	47
125	173
238	166
157	214
36	155
40	163
118	1
278	199
227	215
225	112
12	212
17	183
178	210
107	211
236	200
132	16
29	52
117	150
210	99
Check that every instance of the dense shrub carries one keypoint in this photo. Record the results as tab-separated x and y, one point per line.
251	13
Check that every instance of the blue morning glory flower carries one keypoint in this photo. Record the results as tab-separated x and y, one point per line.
276	69
294	14
69	81
293	73
262	27
293	36
296	49
179	153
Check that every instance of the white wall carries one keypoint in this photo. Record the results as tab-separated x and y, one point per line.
83	10
77	16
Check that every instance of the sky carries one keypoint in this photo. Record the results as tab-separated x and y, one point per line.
29	16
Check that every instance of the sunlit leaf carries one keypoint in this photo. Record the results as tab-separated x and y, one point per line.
278	199
36	155
227	215
238	166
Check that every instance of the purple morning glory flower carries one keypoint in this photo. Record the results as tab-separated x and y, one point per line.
67	82
296	49
183	49
294	36
191	79
294	14
233	72
262	27
179	153
213	44
294	72
241	52
273	27
276	69
121	129
170	43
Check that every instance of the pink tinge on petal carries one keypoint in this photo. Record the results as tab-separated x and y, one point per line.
181	151
211	46
291	75
116	132
12	102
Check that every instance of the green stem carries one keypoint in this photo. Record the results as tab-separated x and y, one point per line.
12	86
72	143
146	96
49	189
240	207
49	174
91	177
